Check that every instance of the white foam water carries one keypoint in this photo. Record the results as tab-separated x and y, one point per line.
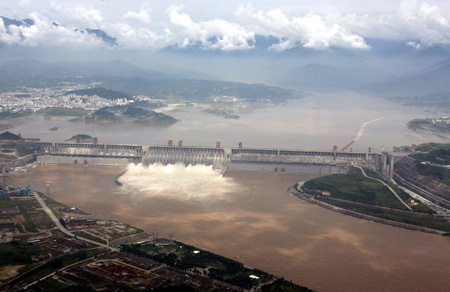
177	181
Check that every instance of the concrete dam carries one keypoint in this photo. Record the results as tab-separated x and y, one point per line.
223	158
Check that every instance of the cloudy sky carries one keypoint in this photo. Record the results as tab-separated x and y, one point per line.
227	24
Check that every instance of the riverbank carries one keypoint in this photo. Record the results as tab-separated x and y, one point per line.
310	199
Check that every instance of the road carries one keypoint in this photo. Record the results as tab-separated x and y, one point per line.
62	228
389	187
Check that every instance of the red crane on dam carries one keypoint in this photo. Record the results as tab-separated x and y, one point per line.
218	144
170	143
240	145
180	143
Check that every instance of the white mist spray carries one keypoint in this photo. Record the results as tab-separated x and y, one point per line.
193	182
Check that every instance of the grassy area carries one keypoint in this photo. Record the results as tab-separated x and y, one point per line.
56	111
29	224
54	265
6	225
7	203
151	247
18	253
220	268
9	115
355	187
53	205
285	286
89	236
419	219
436	154
115	235
52	285
427	147
440	156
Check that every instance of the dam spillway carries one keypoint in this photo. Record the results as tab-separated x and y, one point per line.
223	158
186	155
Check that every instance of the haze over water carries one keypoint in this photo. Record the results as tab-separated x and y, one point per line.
317	122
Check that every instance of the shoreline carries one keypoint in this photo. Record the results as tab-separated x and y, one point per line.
291	190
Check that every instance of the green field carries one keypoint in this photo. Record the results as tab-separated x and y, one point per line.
54	265
419	219
433	153
7	203
355	187
53	205
350	191
220	268
89	236
18	253
29	224
70	112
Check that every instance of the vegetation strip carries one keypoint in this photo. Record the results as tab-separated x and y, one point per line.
309	199
360	196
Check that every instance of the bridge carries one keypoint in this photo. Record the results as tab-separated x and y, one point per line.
223	158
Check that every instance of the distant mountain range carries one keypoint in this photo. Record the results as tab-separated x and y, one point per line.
328	77
126	78
435	79
376	70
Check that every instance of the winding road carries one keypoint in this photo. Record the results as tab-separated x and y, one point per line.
388	186
63	229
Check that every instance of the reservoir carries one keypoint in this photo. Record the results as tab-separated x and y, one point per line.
316	122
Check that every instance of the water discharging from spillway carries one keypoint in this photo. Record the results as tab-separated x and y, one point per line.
177	181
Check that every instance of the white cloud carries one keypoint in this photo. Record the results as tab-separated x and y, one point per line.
213	34
143	15
413	21
81	15
138	38
310	31
43	32
414	45
419	22
24	3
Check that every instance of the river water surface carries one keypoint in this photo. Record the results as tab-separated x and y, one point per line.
317	121
251	218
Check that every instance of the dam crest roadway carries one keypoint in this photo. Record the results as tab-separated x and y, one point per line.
222	158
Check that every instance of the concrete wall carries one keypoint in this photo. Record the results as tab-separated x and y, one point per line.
288	168
50	159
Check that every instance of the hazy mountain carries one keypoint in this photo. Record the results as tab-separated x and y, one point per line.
328	77
104	36
124	77
115	68
24	22
424	82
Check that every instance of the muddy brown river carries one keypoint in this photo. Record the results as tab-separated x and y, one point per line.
249	217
